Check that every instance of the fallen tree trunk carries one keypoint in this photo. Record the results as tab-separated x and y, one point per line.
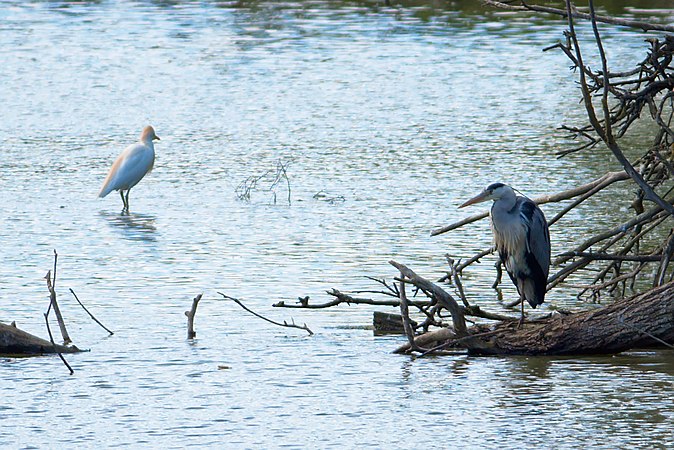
641	321
14	341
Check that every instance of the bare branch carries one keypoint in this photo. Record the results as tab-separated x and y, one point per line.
54	305
645	26
341	297
454	273
51	339
608	257
90	315
284	324
442	297
404	312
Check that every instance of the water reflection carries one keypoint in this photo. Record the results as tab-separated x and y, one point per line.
133	226
530	368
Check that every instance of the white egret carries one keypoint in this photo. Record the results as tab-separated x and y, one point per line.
522	240
131	166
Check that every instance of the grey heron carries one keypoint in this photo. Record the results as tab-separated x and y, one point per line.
521	238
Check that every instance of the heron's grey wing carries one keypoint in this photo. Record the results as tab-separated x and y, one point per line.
538	236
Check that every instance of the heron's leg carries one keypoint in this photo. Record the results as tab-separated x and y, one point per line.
522	316
127	199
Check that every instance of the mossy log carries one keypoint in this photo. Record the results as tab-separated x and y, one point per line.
14	341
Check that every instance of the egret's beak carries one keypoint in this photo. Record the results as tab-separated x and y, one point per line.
156	137
482	197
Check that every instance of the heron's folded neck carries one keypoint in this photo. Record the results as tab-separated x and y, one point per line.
506	203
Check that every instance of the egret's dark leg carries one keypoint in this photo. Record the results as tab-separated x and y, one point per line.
127	199
124	201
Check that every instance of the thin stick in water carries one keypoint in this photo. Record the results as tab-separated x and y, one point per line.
53	304
90	315
51	339
284	324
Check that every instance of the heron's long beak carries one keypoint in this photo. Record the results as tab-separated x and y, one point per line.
482	197
156	137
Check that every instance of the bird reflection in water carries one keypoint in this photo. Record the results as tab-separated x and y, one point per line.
136	227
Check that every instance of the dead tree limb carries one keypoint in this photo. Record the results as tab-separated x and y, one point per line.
341	297
645	320
437	294
191	334
429	339
405	314
641	321
603	128
645	26
53	344
284	324
421	305
51	286
606	257
90	315
14	341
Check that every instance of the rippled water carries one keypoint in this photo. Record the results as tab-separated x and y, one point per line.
399	113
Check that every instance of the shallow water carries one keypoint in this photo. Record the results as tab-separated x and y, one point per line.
398	113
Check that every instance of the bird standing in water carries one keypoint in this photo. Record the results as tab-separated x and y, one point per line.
522	240
131	166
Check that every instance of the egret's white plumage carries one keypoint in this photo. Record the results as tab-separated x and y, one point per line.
521	238
131	166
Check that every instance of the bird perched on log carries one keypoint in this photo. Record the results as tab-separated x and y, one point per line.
131	166
521	238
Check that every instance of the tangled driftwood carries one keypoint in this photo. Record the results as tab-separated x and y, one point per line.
614	259
645	320
618	256
16	342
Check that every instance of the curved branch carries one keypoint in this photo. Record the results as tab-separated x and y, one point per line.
284	324
446	300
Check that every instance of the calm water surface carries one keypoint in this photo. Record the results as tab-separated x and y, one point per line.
401	112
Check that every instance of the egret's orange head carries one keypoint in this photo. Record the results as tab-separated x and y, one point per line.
148	134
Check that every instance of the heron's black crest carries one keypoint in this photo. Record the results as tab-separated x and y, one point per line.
493	186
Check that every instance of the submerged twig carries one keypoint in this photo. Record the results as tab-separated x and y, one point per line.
273	176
